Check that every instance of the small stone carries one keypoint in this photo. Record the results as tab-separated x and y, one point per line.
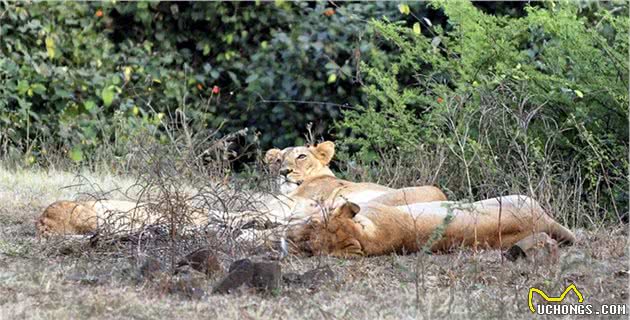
267	276
317	276
240	273
191	284
202	260
311	278
291	278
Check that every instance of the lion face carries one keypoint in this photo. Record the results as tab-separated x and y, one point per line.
296	164
336	235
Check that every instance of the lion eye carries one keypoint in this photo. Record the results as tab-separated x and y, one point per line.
302	156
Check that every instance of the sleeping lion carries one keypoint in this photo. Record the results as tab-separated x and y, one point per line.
371	229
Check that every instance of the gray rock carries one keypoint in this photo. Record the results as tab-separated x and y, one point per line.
202	260
312	278
240	273
191	284
262	276
267	276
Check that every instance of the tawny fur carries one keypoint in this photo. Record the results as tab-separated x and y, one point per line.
307	169
376	229
84	217
66	217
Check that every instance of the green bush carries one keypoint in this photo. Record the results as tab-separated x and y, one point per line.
79	75
546	92
506	98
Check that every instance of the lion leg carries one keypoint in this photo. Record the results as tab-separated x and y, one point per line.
495	228
518	228
528	208
524	216
560	233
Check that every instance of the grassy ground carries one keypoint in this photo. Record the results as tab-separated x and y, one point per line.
36	282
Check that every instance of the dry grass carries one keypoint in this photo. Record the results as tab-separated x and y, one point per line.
38	283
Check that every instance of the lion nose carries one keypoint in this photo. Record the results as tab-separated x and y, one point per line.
285	171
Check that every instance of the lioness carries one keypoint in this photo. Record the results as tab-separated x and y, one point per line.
375	229
83	217
304	173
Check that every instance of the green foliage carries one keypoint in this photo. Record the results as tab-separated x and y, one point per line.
69	71
55	65
562	78
389	126
541	88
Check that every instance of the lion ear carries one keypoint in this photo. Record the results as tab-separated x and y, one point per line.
324	151
271	155
348	210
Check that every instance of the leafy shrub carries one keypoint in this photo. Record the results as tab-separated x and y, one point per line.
559	80
83	74
529	99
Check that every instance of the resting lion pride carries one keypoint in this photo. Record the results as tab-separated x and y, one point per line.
370	220
305	168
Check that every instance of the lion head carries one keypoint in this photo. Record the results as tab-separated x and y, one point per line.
335	234
296	164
